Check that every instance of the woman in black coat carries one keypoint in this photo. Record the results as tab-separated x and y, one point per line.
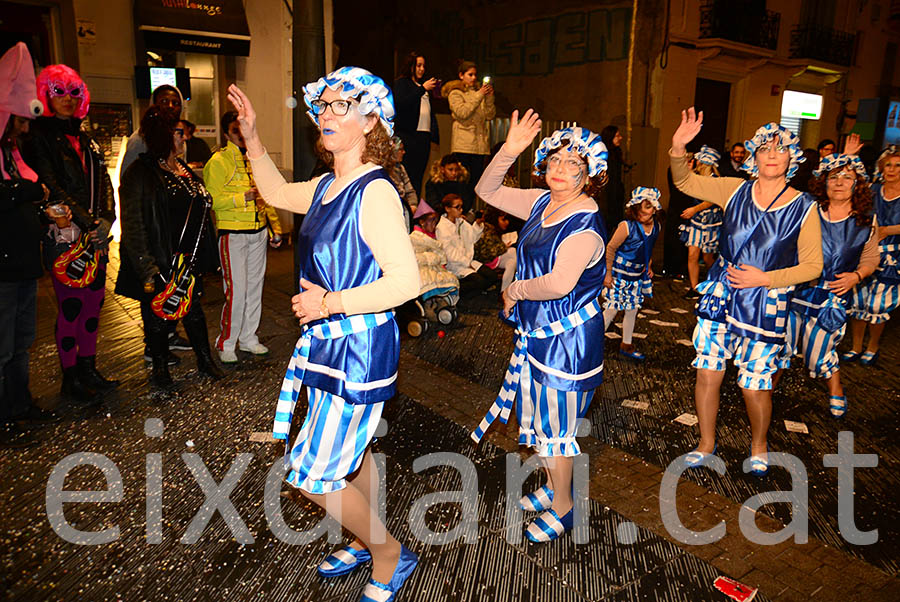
165	211
71	166
414	121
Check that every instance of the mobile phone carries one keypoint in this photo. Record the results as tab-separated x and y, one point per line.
486	80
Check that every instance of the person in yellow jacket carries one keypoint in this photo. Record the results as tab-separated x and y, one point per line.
243	236
472	108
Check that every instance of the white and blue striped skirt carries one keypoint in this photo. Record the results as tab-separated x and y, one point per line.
332	442
628	294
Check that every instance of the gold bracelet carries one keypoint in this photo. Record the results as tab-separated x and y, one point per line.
323	310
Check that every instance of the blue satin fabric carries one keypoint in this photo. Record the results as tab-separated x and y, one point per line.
888	213
637	251
842	245
707	217
577	352
334	256
759	313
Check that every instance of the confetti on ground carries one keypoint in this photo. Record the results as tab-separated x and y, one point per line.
189	443
639	335
685	342
687	419
261	436
652	312
613	335
642	316
680	310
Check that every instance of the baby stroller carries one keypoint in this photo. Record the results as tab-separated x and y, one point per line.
436	306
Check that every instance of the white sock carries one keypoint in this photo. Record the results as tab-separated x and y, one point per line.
609	314
628	325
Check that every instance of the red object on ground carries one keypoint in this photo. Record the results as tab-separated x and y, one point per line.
441	334
735	589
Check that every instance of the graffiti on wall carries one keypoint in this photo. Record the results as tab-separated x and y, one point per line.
539	46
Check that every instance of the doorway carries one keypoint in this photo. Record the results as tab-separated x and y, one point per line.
713	98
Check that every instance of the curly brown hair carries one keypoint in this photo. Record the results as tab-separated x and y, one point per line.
592	186
378	150
860	201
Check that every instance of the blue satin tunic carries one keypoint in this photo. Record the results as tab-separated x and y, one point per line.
759	313
842	246
634	254
360	367
888	214
572	360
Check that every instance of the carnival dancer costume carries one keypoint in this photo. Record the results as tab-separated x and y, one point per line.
353	243
818	316
880	295
702	230
628	262
558	358
748	325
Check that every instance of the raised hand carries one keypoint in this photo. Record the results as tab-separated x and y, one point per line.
687	130
522	133
852	144
246	118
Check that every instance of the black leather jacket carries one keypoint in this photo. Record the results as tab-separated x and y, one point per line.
149	233
49	153
21	226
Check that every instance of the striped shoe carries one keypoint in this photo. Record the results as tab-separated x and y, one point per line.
375	591
549	526
838	405
343	561
759	466
537	501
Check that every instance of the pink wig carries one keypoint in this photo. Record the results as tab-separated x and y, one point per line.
65	78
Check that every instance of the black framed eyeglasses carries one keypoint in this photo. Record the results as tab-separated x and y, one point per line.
179	131
339	107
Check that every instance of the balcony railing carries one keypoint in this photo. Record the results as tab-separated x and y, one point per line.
823	44
744	21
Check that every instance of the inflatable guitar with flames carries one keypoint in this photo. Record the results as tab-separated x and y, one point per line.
174	301
77	267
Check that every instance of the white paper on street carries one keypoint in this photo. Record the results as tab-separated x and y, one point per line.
663	323
796	427
687	419
637	405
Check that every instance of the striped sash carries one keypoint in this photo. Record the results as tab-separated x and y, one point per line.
507	396
296	371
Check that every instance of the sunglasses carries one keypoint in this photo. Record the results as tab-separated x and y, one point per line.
57	89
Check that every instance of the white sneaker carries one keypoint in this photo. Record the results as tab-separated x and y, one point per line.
228	356
256	348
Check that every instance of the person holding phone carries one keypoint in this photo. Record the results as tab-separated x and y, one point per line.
472	107
415	123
